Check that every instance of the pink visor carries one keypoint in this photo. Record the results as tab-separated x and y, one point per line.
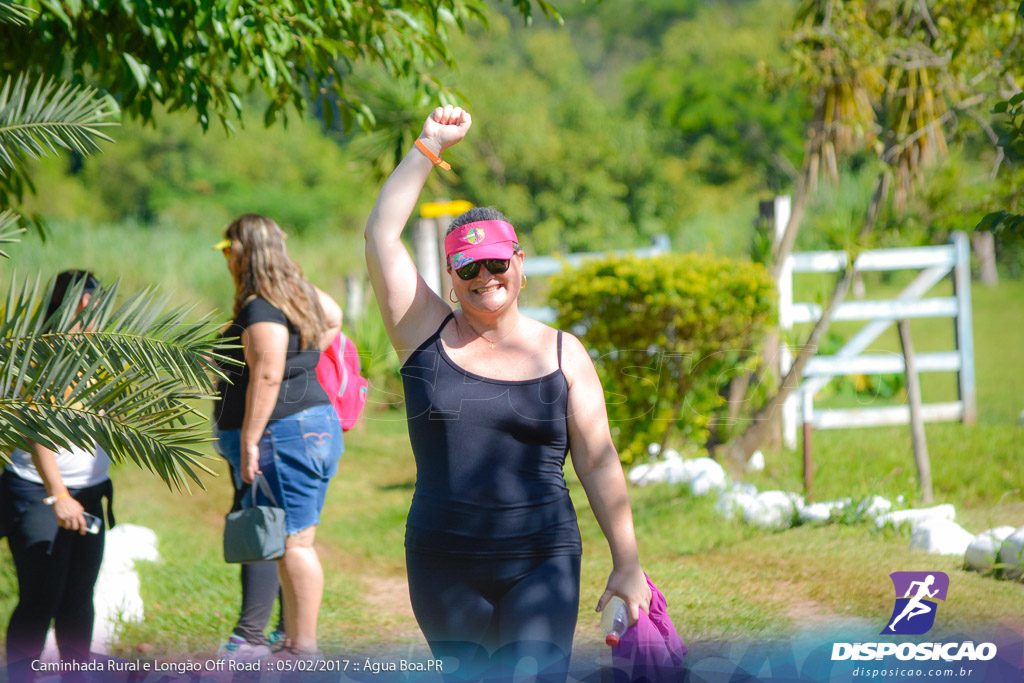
479	240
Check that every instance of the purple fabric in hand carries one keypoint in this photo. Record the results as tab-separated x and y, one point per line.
650	650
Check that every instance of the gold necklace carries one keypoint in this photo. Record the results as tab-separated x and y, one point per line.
501	338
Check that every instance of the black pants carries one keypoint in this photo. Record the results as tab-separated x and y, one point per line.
490	616
56	570
260	588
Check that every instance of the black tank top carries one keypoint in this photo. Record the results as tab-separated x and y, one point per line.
489	458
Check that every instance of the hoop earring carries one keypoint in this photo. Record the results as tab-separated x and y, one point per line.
451	296
523	285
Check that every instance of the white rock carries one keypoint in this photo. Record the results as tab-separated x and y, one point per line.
1012	553
734	502
983	551
873	506
665	470
744	487
736	499
694	467
915	517
773	510
118	598
941	537
648	473
673	471
704	476
822	512
638	474
706	482
756	462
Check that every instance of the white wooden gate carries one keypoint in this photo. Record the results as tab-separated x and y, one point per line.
935	263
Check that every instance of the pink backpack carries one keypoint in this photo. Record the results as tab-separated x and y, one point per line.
338	372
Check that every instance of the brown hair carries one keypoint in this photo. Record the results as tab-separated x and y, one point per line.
66	280
268	271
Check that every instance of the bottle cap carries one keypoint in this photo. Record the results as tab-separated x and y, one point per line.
611	639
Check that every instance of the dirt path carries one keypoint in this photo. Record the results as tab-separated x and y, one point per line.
810	616
389	595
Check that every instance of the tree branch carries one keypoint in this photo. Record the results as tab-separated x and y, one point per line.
993	138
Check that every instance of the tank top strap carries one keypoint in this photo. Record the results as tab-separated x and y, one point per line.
559	349
437	332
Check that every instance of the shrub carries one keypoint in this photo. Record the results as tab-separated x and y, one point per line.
666	334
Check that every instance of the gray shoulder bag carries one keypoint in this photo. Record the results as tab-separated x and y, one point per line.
257	533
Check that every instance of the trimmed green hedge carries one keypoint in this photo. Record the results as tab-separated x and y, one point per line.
667	334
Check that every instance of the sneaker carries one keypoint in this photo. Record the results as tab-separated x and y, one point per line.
238	649
276	641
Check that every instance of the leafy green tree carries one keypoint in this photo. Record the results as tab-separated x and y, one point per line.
702	84
175	177
1008	222
570	169
612	37
204	57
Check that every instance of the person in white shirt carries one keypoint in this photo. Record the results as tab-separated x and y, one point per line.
51	503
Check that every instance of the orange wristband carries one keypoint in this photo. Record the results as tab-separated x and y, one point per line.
438	161
50	500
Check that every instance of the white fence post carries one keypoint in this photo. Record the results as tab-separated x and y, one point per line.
353	297
964	328
425	245
791	406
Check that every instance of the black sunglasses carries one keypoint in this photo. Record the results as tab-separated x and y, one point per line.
495	266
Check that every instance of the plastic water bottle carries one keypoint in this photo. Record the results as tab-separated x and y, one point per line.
614	620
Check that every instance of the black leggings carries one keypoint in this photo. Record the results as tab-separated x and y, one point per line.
57	571
490	616
260	589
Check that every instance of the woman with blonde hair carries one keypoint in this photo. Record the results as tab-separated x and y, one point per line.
273	417
495	401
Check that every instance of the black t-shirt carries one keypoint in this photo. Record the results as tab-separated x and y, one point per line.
299	386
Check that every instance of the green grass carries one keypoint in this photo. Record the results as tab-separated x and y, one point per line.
180	262
722	579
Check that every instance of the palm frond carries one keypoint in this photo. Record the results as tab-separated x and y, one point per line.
124	377
9	229
35	121
11	13
917	111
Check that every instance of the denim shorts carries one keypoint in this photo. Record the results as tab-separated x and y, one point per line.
298	456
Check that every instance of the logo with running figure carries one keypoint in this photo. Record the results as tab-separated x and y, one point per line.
917	594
